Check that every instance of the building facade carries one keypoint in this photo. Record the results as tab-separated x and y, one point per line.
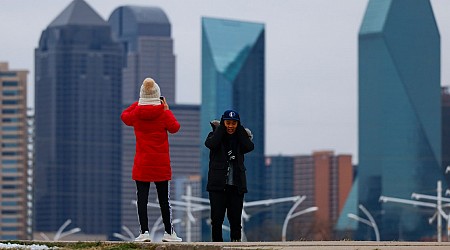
15	195
399	115
279	180
326	180
77	126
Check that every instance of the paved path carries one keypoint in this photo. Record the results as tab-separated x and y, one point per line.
323	245
290	245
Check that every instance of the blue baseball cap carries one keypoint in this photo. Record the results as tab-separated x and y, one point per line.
231	115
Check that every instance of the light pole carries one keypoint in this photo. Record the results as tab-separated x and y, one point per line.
438	206
291	215
371	222
60	234
125	238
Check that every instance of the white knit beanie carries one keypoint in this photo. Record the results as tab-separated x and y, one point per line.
150	93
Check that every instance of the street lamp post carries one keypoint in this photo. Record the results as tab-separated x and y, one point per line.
291	215
371	222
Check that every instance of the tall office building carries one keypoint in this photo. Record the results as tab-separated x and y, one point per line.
233	77
326	180
77	121
145	33
14	194
399	115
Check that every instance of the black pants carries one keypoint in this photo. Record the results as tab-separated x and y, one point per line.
232	202
163	196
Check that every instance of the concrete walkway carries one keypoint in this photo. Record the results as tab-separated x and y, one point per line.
317	245
290	245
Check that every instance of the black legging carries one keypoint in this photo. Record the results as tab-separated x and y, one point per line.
231	202
163	196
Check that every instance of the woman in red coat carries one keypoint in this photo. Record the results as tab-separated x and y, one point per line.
152	119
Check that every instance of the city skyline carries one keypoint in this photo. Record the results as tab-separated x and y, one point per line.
319	82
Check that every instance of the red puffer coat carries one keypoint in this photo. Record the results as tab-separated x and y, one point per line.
151	123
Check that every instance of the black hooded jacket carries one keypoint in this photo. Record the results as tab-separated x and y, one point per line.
218	144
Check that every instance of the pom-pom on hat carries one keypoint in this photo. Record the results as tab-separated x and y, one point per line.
231	115
149	89
150	93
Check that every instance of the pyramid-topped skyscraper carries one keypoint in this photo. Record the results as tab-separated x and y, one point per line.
399	116
77	109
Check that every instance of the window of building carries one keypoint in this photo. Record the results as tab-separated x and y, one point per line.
7	119
9	203
10	111
10	83
10	128
10	102
10	220
11	92
10	74
10	137
10	170
10	145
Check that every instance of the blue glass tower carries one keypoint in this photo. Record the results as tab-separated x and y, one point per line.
233	78
78	107
399	114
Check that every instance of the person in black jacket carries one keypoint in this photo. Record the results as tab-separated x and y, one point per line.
227	183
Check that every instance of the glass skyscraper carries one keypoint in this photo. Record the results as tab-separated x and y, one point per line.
399	115
233	77
77	120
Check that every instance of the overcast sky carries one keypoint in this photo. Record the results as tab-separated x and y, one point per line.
311	59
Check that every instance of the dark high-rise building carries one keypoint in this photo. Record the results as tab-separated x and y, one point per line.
233	69
399	115
77	120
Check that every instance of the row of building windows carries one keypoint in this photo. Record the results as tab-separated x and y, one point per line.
9	162
10	203
10	83
11	102
10	195
10	220
10	111
8	92
8	119
10	145
6	212
10	170
9	74
10	128
7	136
11	153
